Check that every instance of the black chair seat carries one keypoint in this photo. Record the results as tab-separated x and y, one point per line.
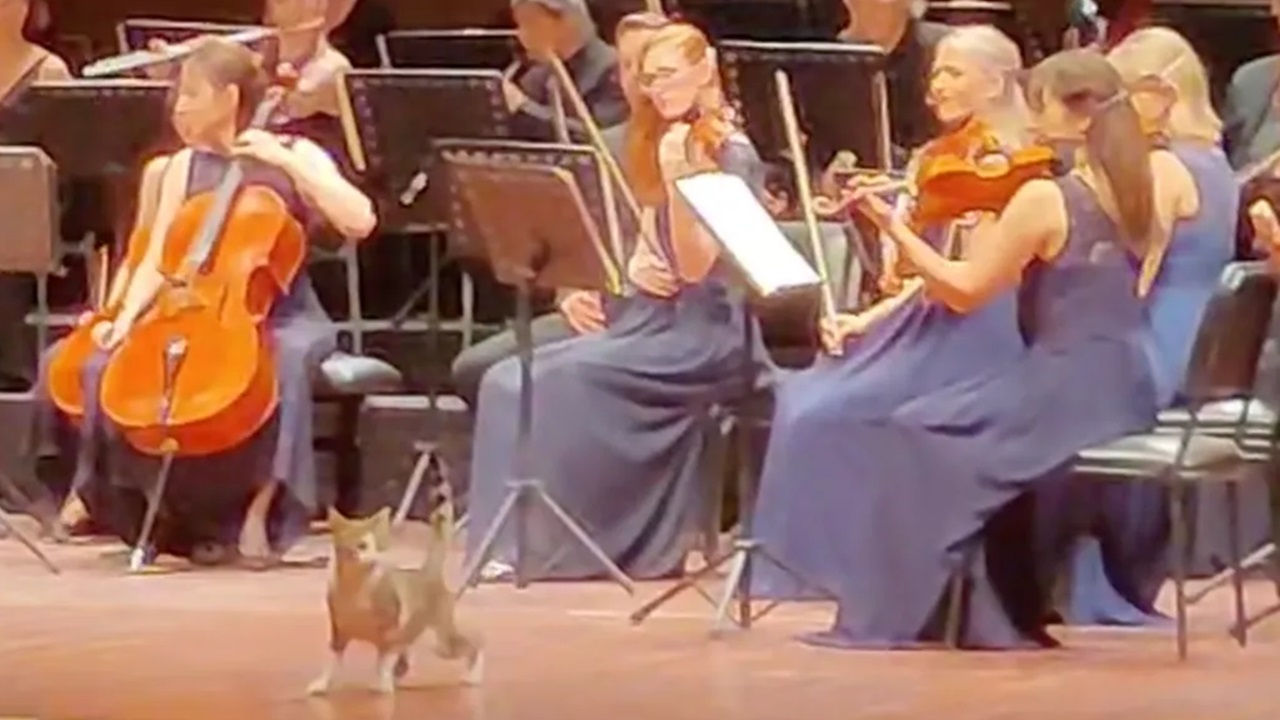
346	375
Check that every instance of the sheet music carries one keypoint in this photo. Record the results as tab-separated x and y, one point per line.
730	211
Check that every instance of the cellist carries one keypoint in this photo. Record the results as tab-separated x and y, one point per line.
219	87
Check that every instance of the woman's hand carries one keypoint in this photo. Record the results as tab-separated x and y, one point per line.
263	147
104	335
865	193
583	311
651	273
85	318
836	330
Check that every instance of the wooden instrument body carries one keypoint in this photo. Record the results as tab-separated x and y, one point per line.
64	372
225	387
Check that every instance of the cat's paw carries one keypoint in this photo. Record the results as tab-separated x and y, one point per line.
474	674
402	666
384	685
320	686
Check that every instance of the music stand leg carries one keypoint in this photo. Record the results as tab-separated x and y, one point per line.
1259	557
7	528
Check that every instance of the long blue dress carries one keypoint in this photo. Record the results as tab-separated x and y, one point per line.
1132	518
919	348
929	483
621	422
207	496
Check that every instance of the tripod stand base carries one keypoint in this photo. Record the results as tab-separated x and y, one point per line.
515	508
7	528
745	551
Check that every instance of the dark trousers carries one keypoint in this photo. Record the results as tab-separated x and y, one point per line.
473	362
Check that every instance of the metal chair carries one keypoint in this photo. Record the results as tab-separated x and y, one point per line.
1207	445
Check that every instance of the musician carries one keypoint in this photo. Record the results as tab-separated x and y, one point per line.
1169	87
883	357
621	416
893	26
580	312
921	485
1252	119
219	86
564	29
22	62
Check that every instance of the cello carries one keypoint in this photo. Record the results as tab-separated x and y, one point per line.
195	375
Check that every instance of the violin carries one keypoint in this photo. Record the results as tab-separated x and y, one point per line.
961	172
195	375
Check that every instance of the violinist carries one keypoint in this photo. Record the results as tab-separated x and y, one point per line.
620	414
562	28
923	485
1169	88
902	348
217	506
909	42
580	312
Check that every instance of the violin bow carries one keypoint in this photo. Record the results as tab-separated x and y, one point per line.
570	92
804	190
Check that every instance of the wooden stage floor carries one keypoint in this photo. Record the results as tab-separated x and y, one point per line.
93	644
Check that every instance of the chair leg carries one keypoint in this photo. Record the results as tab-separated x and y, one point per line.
957	593
1240	630
1178	527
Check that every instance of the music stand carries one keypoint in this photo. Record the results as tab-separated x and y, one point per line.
536	229
461	49
855	119
773	269
62	118
135	35
29	204
790	19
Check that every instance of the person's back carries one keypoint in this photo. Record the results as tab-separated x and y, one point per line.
1199	249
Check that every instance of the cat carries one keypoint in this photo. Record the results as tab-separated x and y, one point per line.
389	607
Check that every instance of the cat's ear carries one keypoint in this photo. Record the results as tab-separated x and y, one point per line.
382	518
335	517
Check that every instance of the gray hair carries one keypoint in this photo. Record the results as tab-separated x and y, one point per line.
994	53
577	9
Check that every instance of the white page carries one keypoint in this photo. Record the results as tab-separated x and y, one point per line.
732	214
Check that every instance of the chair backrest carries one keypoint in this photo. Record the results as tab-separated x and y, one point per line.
1224	359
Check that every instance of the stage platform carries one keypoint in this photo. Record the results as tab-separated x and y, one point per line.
93	644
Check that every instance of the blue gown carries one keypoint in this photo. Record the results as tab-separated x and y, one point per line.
206	497
621	421
930	483
919	348
1132	518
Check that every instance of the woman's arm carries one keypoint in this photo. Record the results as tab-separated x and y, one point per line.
148	205
159	204
999	251
317	177
1174	183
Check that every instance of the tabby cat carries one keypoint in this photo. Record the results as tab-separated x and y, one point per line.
389	607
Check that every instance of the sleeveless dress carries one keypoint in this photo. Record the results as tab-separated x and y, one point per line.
929	483
1132	518
206	497
621	420
918	349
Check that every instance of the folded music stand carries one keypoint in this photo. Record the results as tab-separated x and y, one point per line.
29	204
536	230
64	119
461	49
135	35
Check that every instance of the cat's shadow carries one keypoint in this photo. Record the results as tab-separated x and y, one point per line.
359	703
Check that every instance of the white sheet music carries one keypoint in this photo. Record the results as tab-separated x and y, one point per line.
730	212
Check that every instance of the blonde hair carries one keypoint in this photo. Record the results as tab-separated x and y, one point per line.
993	53
647	126
1158	52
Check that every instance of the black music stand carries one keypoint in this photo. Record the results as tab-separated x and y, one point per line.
855	119
65	120
789	19
536	229
137	33
393	119
29	204
461	49
726	207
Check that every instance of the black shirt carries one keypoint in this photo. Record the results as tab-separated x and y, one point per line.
594	70
911	121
